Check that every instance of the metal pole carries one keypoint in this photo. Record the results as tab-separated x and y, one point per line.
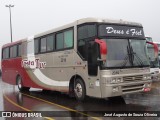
10	22
10	19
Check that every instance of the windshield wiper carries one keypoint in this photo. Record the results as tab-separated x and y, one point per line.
130	57
124	63
138	58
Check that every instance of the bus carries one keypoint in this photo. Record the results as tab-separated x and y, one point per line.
153	57
0	69
93	57
158	43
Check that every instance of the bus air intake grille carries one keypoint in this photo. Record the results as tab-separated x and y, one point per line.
132	78
132	88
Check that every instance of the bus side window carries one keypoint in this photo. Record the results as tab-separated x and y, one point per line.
5	53
64	39
50	43
36	46
85	32
13	51
68	39
43	45
19	50
59	41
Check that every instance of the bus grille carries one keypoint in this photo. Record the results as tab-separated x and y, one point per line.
132	78
132	88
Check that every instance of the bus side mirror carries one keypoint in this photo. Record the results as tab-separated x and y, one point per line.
155	48
103	50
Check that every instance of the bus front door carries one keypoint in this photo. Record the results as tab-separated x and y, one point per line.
92	52
92	55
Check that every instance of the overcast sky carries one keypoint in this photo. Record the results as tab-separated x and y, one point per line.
30	17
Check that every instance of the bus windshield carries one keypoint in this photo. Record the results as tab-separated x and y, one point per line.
154	62
124	53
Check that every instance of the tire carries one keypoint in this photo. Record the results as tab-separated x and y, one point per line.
79	90
20	85
46	91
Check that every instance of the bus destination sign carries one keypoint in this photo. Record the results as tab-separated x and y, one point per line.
121	31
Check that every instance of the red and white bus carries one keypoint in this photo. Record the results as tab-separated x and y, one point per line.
89	57
152	49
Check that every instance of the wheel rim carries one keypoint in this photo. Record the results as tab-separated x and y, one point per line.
78	90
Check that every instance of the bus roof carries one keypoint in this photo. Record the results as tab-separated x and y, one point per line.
78	22
90	20
147	36
110	21
13	43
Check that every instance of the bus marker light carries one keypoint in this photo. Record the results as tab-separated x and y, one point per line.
146	89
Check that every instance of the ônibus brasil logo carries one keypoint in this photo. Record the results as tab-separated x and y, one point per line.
33	63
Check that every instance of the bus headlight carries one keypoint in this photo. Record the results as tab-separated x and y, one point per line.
113	80
119	80
149	77
144	77
116	80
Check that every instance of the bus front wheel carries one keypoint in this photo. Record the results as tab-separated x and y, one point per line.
20	85
79	89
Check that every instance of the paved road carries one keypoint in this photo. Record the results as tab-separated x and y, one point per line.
62	105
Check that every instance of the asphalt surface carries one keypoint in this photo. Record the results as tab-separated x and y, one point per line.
60	106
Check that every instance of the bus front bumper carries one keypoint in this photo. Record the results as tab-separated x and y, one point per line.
111	90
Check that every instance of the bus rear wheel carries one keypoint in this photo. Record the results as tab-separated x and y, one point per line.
20	85
79	89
